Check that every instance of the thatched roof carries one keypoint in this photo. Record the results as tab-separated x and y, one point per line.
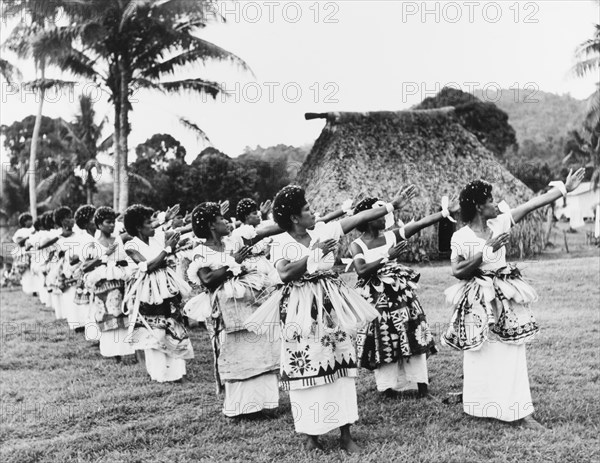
377	153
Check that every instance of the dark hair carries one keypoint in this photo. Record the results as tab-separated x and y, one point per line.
83	215
474	194
104	213
289	201
135	216
244	208
202	216
61	214
24	217
364	205
47	219
37	224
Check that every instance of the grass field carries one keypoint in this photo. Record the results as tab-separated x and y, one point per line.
61	401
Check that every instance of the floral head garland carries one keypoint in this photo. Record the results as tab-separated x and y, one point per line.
290	200
476	192
202	216
245	207
104	213
84	214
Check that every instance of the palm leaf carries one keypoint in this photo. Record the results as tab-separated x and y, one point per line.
9	71
106	144
193	85
141	180
46	84
200	50
200	134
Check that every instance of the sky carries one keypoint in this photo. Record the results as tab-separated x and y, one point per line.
346	56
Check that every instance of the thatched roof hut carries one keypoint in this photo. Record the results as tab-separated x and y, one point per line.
377	153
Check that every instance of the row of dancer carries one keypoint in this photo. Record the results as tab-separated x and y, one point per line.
290	319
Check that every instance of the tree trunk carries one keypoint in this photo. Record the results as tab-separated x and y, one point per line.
117	150
124	133
89	188
33	149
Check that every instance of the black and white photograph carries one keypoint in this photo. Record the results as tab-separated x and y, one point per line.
299	231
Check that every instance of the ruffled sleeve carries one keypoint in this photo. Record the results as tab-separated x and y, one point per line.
500	224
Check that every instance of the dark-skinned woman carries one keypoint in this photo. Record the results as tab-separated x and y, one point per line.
319	317
492	318
245	364
153	298
106	271
395	345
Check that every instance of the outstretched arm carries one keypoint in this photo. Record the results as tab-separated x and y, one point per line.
572	182
415	227
401	200
263	232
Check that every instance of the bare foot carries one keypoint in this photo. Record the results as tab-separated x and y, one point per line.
312	443
349	445
529	422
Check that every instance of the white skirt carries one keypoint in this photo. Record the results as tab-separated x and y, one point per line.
320	409
92	330
75	314
38	284
402	375
55	301
251	395
28	282
496	383
112	343
162	367
43	292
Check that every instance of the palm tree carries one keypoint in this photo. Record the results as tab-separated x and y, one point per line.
588	55
22	42
128	45
82	139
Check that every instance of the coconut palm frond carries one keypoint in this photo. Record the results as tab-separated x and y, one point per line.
133	177
9	71
46	84
193	85
200	134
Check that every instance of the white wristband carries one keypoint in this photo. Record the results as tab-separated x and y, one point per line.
389	207
445	211
347	207
560	185
168	249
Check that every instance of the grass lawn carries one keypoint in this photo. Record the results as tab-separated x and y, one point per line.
61	401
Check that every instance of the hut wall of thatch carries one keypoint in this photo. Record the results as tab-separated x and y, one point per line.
378	153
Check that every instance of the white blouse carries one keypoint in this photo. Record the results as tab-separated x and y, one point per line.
465	243
285	247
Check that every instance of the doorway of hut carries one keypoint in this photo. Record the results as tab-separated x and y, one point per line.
445	230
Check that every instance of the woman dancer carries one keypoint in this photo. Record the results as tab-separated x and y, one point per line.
153	298
84	236
43	253
245	365
319	315
492	318
60	278
395	345
21	258
106	272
